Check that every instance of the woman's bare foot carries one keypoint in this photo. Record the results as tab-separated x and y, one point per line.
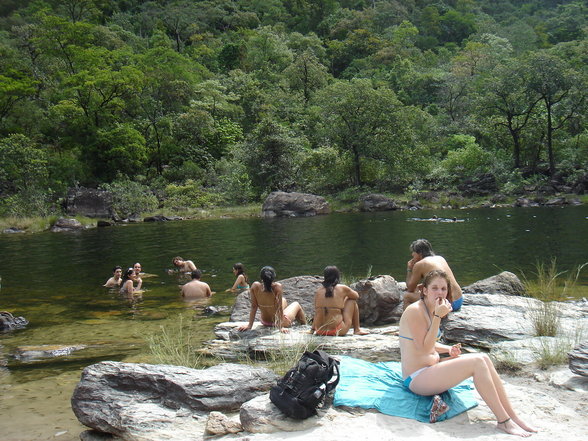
524	425
509	426
360	331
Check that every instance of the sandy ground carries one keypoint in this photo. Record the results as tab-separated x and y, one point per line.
558	413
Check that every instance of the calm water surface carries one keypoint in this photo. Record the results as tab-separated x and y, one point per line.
54	280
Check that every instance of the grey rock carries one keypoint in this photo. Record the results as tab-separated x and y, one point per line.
264	343
220	424
380	300
520	353
152	402
578	359
282	204
89	202
503	283
486	319
9	322
299	289
12	230
556	202
33	353
376	202
63	224
259	415
564	379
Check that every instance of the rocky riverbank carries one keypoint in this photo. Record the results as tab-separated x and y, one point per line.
230	401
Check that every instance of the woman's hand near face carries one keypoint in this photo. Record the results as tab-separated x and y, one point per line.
442	307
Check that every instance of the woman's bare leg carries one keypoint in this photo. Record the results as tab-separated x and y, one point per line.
443	376
351	318
504	398
294	312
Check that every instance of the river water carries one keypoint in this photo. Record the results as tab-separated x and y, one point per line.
55	281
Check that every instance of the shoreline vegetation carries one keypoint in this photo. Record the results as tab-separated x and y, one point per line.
343	203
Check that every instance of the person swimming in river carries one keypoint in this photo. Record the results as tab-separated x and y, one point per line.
196	289
116	279
423	371
182	265
241	283
335	306
424	260
267	296
129	278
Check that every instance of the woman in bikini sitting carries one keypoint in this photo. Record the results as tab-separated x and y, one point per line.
424	373
242	282
335	306
275	310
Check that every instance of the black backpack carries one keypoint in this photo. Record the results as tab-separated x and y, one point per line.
305	386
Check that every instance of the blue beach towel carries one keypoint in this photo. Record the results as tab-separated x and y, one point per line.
379	386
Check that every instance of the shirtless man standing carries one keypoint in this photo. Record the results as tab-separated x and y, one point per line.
196	289
116	279
424	260
184	266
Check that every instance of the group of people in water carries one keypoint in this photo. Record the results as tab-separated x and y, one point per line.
428	366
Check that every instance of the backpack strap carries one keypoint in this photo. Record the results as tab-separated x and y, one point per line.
333	365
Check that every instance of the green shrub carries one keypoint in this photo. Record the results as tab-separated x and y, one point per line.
191	194
131	198
465	158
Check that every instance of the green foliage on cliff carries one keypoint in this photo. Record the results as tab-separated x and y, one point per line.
220	102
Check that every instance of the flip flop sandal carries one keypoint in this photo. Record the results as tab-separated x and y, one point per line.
438	408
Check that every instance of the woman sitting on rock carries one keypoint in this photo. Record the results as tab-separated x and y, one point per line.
422	370
275	310
335	306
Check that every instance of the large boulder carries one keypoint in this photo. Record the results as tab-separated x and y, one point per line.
9	322
63	224
578	359
282	204
268	343
380	300
141	401
487	319
376	202
299	289
89	202
503	283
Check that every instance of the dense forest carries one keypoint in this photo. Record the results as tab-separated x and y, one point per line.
185	103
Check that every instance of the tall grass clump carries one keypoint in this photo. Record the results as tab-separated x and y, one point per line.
175	345
290	351
550	287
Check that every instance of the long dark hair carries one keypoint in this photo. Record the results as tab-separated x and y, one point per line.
332	276
240	271
267	276
127	275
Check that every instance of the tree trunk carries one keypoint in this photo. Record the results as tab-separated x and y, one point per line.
550	140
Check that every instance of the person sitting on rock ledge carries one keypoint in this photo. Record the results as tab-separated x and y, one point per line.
422	370
116	279
335	306
424	260
275	310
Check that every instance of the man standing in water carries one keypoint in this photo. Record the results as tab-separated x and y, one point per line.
196	289
114	281
423	261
